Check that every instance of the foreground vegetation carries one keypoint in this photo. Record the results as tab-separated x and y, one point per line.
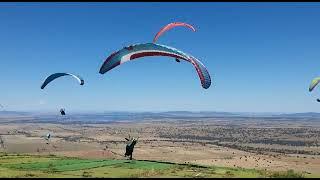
21	165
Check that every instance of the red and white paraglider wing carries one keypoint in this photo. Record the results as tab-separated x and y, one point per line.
170	26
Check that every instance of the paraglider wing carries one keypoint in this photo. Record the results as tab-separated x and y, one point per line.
57	75
202	73
151	49
47	137
170	26
314	83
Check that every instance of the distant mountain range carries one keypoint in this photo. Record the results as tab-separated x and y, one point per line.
14	113
305	114
167	114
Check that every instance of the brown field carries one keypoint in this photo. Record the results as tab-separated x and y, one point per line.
248	143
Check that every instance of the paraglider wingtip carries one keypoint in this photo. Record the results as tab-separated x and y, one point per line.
206	86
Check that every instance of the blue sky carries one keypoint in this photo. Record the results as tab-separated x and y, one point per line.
261	56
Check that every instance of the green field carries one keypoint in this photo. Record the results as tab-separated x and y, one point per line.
21	165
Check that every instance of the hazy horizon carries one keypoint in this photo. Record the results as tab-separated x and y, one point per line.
132	111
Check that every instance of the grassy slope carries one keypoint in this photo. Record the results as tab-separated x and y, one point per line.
15	165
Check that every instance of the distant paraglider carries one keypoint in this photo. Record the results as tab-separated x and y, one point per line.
57	75
170	26
47	137
2	143
313	84
151	49
62	111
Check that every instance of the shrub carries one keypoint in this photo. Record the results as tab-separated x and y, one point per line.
229	173
86	174
51	168
288	174
30	175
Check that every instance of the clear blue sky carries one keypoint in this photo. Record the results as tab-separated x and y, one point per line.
261	56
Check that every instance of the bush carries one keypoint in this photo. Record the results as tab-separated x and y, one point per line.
86	174
288	174
51	168
30	175
229	173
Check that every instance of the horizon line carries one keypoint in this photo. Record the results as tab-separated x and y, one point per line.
154	111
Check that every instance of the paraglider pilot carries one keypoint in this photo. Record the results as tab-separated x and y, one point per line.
62	111
130	146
